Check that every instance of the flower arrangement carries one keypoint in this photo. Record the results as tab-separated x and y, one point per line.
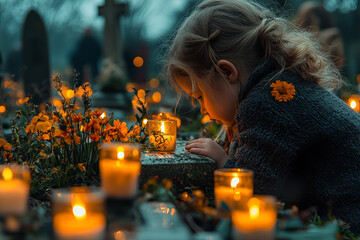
60	142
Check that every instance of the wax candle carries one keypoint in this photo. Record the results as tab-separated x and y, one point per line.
231	185
162	134
79	214
14	189
119	169
255	219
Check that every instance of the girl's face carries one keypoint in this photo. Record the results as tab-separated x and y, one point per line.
218	99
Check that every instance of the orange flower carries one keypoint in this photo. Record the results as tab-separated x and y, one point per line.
121	130
43	126
7	155
283	91
77	139
76	117
2	142
98	112
7	147
30	128
94	137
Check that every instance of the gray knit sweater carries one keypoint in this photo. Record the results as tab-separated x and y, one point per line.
305	151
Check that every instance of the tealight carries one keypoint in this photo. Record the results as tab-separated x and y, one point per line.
255	218
79	213
231	185
14	189
119	169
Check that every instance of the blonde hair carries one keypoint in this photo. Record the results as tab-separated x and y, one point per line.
244	33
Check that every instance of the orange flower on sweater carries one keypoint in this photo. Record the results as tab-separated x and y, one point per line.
283	91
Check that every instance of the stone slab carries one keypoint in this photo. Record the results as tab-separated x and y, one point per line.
189	168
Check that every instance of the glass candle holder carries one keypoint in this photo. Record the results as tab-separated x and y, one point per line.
162	134
14	189
231	185
255	218
119	169
79	213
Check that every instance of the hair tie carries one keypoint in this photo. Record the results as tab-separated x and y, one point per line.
213	35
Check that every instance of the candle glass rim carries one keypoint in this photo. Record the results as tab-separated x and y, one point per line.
16	166
162	120
230	171
93	192
111	145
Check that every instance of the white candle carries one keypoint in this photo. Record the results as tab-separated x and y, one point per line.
256	220
68	227
14	191
79	213
232	185
119	178
119	169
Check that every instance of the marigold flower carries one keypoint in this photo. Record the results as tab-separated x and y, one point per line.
283	91
77	139
98	112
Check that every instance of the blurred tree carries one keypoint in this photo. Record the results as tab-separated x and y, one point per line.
62	19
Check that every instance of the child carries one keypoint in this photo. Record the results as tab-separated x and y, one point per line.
268	83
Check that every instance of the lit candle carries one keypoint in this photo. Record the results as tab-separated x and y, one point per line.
354	103
255	219
14	189
119	169
162	134
79	214
231	185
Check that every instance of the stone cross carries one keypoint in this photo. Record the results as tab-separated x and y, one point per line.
36	72
112	11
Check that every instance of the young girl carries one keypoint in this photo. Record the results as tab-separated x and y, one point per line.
268	82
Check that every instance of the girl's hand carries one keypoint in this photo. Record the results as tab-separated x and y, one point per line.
208	148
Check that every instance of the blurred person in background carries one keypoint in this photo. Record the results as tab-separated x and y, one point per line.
86	56
313	17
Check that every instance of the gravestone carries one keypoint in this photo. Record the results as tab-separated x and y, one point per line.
112	11
188	168
36	73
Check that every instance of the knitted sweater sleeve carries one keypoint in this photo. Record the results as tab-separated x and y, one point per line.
267	139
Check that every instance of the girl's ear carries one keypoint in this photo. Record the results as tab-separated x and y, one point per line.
229	70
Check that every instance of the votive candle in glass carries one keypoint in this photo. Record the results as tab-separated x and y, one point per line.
255	218
14	189
231	185
162	134
120	169
79	213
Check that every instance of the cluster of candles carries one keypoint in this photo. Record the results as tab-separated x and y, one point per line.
253	216
78	213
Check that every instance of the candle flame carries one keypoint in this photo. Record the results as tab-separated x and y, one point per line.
79	212
103	116
145	121
120	153
162	129
234	182
353	104
7	174
254	210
